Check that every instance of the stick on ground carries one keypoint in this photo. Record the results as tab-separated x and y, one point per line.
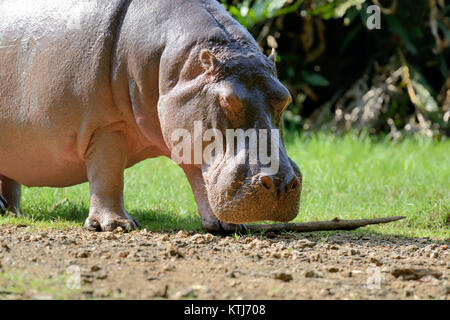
335	224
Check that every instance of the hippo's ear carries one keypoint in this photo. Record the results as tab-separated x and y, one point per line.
208	60
273	56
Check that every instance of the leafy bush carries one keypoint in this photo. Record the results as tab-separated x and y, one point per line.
343	76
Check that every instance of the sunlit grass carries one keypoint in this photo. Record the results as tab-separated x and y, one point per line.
20	284
353	177
347	177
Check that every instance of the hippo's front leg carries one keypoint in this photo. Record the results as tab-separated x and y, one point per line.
105	161
209	220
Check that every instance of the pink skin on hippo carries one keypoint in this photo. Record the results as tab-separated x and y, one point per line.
103	85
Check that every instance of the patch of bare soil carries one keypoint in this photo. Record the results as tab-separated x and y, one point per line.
150	265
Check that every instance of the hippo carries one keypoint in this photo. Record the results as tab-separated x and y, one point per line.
89	88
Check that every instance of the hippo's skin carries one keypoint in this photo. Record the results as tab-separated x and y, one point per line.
89	88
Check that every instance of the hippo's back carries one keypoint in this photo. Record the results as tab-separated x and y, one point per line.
51	48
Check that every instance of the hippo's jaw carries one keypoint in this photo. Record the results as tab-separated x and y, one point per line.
242	193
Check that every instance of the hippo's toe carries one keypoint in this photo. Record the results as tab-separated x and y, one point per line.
218	227
228	228
110	222
3	204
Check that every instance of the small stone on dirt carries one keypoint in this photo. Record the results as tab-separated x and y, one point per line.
305	243
200	288
198	239
376	261
118	230
182	234
123	254
152	278
173	251
95	268
184	294
414	274
286	277
109	236
270	235
5	247
84	254
311	274
169	268
209	237
162	292
102	276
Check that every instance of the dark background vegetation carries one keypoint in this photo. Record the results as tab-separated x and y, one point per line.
393	81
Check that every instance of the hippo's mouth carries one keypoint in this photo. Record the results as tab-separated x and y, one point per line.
236	196
250	204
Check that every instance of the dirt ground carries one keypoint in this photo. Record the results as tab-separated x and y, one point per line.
37	264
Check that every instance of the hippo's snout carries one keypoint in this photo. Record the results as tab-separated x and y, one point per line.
237	199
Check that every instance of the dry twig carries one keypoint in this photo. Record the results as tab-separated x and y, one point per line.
335	224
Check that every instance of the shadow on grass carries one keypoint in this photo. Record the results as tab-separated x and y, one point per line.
159	220
68	213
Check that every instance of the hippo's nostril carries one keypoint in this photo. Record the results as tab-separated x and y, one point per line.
267	182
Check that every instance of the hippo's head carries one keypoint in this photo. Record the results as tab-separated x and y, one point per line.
247	173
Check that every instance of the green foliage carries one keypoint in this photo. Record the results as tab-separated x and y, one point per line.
314	79
326	49
250	13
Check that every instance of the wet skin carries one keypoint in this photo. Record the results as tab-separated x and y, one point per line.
89	88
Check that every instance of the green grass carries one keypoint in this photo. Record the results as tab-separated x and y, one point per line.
348	177
21	284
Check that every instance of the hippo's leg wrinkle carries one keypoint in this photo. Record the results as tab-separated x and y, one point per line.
209	221
105	161
11	191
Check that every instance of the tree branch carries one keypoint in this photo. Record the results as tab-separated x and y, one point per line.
335	224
